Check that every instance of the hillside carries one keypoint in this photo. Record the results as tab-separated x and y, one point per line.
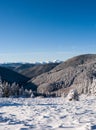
33	70
21	73
23	67
78	72
11	76
11	66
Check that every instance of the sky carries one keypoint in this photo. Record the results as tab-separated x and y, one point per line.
46	30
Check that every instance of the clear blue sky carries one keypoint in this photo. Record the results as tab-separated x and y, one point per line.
39	30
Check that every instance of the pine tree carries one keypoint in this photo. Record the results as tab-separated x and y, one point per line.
93	87
1	88
21	91
6	90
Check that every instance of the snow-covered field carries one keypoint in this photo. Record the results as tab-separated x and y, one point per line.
48	114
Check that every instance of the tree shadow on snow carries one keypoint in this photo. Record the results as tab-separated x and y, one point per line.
9	104
93	127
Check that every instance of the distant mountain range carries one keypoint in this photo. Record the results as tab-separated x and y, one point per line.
55	78
14	65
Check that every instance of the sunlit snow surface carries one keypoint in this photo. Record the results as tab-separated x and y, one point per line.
48	114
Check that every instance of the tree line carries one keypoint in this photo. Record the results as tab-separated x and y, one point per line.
13	90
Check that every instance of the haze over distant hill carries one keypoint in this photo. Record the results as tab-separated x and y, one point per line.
33	70
10	65
23	67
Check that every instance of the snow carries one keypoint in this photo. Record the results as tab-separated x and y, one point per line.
48	113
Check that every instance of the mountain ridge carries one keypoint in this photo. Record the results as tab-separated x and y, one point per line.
77	72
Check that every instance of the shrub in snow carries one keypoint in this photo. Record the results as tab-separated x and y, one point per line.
31	94
28	93
73	95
